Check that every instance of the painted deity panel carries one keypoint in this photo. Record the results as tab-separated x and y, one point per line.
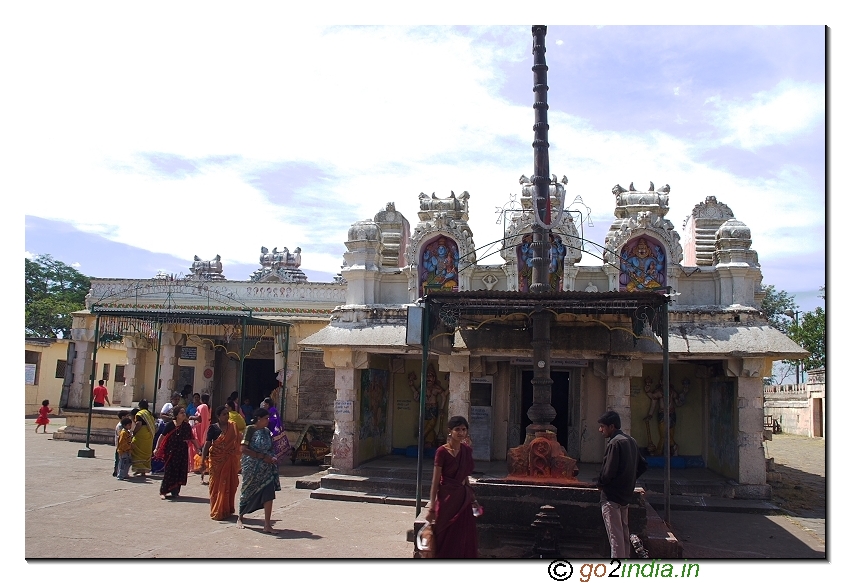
643	265
557	252
374	396
438	266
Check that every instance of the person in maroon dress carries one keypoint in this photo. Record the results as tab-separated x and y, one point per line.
452	498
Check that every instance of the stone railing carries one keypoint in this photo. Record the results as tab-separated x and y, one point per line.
786	389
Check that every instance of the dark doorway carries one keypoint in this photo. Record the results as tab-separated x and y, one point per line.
259	379
560	401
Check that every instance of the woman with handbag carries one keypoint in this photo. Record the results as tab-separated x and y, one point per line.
173	449
259	470
453	507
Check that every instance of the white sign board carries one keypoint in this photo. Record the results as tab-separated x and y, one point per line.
29	374
344	410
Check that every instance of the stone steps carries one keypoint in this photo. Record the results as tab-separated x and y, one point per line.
375	485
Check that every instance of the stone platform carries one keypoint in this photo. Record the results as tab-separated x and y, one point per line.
103	421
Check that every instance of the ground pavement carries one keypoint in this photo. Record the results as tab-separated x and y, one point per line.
799	532
75	509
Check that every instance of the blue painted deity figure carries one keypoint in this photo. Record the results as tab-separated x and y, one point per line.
642	266
557	252
438	269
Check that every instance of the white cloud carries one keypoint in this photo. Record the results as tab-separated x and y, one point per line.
770	117
384	124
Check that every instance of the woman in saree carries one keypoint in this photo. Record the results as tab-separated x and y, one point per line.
223	450
144	428
173	449
259	470
278	430
235	416
452	498
201	425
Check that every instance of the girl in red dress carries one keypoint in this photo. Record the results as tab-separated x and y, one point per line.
42	420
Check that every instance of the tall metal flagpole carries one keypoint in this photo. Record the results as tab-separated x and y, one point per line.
541	413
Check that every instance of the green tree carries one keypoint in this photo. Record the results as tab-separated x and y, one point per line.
810	333
773	306
53	290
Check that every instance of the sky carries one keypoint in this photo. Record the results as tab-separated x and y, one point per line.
141	145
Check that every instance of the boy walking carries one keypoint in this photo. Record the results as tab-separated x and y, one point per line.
125	444
121	415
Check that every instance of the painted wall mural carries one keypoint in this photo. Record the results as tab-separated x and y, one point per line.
374	396
438	266
557	252
643	265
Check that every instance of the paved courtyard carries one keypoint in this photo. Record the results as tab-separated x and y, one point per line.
75	509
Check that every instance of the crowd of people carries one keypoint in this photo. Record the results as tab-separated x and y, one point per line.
247	442
185	438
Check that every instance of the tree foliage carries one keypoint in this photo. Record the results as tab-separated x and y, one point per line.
53	290
810	333
773	306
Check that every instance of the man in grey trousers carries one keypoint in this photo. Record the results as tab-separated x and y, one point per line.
621	467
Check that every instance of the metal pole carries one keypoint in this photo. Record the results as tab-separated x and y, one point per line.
285	368
88	451
158	366
665	338
242	361
797	325
423	384
541	413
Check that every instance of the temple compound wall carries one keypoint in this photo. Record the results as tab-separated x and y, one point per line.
798	409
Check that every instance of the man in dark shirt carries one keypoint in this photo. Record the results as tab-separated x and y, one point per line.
621	467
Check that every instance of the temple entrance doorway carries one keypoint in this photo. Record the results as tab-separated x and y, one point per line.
560	401
258	379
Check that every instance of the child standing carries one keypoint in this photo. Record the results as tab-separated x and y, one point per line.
125	444
121	415
42	420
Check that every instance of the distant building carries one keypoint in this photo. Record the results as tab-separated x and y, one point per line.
799	409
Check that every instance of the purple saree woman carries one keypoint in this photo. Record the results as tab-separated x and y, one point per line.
279	440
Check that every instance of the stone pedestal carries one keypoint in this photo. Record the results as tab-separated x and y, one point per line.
541	460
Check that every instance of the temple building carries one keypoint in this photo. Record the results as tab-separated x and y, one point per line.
345	364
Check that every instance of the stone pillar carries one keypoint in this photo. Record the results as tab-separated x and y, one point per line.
169	370
751	464
618	373
570	273
135	357
613	273
208	374
78	394
124	394
346	440
459	383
